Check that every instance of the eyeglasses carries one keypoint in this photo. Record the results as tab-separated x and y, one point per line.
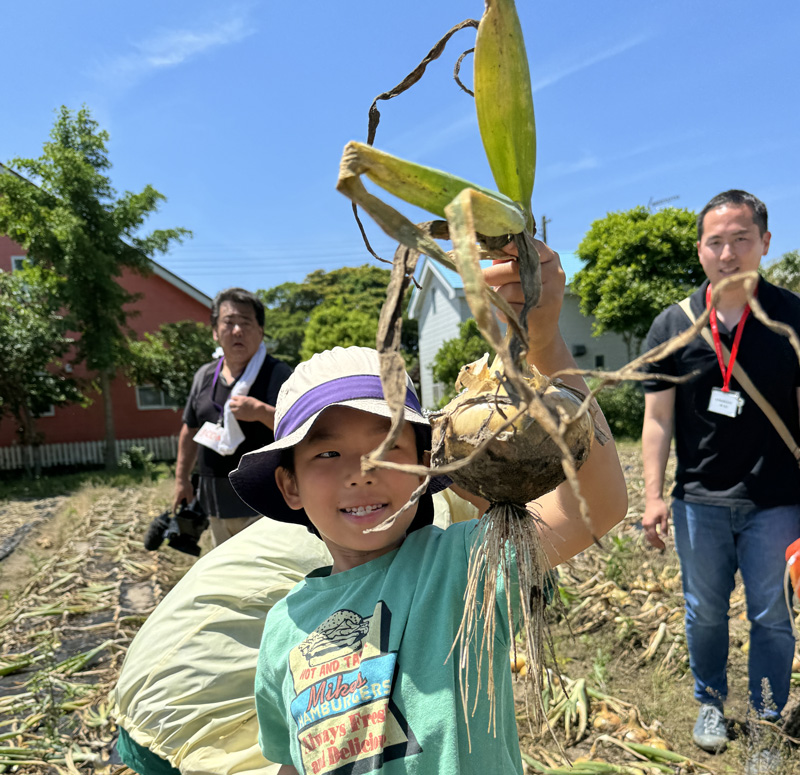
231	323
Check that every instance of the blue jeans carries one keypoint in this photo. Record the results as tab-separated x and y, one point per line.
712	543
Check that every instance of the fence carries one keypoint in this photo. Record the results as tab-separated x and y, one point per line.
84	452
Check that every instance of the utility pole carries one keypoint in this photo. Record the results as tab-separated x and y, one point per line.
545	221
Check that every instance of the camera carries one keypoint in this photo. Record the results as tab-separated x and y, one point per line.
181	530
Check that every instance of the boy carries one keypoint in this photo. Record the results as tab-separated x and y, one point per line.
353	672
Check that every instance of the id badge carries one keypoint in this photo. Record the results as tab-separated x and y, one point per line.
209	435
729	404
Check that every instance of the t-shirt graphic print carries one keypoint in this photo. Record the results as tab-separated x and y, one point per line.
343	675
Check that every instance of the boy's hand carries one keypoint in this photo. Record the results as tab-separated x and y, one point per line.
503	275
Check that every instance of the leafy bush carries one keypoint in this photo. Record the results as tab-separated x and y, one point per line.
623	406
137	459
455	353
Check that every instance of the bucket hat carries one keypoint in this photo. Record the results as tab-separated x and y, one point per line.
342	376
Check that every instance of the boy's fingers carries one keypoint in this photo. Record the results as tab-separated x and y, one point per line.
503	275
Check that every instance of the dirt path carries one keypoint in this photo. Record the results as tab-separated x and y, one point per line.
76	590
19	518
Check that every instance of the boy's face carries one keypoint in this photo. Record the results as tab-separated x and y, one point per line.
340	501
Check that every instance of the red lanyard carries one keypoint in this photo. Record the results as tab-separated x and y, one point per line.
726	373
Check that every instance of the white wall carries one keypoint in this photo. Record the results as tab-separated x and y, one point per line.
577	330
451	309
435	328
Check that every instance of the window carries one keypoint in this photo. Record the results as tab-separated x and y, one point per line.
433	301
49	412
149	397
599	361
17	263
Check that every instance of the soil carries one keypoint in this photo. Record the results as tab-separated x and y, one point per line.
84	552
608	647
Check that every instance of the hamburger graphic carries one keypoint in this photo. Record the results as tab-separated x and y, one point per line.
340	634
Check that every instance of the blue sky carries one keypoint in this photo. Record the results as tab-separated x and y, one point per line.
238	112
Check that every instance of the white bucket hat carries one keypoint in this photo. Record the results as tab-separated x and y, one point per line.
343	376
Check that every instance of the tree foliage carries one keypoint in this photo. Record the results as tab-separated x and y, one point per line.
287	308
340	307
636	263
467	347
169	358
339	322
623	407
68	217
785	271
33	339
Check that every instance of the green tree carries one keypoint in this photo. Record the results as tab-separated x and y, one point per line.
33	339
636	264
169	358
785	271
455	353
290	309
287	309
68	217
339	322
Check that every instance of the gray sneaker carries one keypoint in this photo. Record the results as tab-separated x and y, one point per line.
764	762
710	730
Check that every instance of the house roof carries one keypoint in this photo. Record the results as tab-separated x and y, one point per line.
181	284
427	272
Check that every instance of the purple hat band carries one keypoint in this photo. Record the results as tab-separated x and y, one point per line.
335	392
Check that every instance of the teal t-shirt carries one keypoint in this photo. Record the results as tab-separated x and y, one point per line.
354	677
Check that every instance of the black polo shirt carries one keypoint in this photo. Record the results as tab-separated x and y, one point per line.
200	408
733	460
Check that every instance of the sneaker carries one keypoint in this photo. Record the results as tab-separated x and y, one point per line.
764	762
710	730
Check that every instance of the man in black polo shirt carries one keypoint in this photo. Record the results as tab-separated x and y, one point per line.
229	411
737	485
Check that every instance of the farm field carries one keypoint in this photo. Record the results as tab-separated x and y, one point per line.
76	584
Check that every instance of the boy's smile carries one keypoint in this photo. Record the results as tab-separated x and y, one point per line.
340	500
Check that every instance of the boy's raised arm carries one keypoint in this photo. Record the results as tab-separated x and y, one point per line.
602	483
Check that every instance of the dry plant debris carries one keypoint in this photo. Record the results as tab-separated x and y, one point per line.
63	636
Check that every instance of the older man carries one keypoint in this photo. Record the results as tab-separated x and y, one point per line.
737	486
229	411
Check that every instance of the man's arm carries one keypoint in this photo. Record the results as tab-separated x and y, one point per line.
659	415
187	457
601	481
251	409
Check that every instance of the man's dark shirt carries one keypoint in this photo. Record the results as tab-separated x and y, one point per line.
733	460
200	408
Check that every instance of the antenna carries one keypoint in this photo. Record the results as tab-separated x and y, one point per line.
655	202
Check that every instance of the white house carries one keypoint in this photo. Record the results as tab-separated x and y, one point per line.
440	306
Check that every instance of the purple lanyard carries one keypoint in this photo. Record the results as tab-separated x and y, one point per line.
214	385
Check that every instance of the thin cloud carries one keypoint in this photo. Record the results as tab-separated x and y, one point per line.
560	169
171	48
429	142
590	161
574	67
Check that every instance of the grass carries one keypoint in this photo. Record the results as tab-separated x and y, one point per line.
16	486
